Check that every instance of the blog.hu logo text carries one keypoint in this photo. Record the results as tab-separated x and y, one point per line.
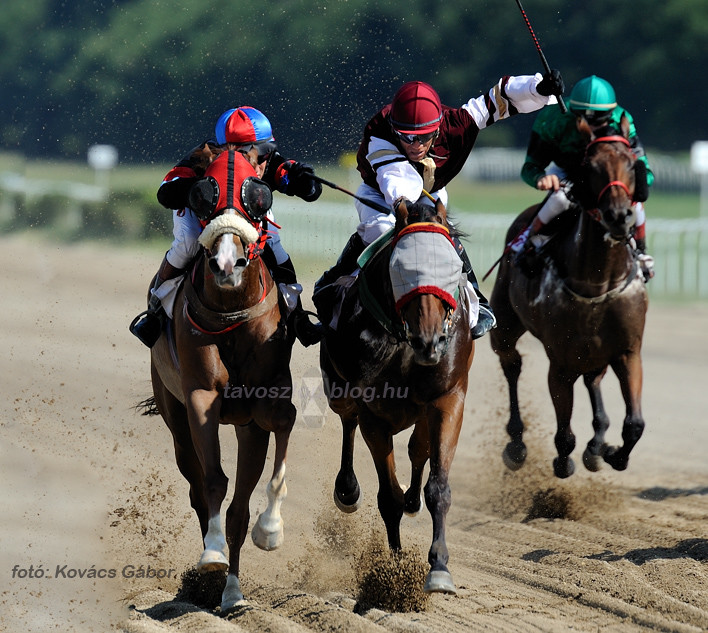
336	390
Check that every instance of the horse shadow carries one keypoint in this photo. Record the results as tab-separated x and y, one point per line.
692	548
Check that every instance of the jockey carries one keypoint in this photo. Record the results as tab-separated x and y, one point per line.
555	138
416	145
247	129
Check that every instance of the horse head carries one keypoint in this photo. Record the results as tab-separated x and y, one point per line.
610	179
425	272
231	203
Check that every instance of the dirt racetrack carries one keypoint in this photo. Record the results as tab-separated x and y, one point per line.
96	528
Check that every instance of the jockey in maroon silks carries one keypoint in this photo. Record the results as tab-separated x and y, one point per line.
416	145
247	128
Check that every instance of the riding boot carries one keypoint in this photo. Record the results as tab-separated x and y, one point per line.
147	326
646	262
307	333
486	319
345	265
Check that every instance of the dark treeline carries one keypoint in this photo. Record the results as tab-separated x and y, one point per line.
151	76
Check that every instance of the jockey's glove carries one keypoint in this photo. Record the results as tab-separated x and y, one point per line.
551	84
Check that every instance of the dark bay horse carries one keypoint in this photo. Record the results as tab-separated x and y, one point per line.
225	360
400	358
587	307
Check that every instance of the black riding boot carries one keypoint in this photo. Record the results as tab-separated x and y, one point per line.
307	333
147	326
486	319
345	265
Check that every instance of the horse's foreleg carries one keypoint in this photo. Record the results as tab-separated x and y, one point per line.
592	456
445	424
203	410
514	454
629	374
390	496
252	452
418	453
347	493
561	388
503	339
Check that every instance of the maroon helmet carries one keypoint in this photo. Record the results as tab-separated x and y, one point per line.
416	109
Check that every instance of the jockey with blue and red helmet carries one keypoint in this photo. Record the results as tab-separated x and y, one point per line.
249	131
556	141
416	145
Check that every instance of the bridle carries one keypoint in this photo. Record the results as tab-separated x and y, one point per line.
615	138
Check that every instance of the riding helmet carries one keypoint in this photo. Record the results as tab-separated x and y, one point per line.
592	93
416	109
245	126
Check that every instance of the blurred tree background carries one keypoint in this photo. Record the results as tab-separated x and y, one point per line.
152	76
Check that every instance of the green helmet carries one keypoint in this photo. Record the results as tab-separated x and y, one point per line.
592	93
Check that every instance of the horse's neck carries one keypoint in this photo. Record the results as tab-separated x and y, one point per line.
248	293
594	264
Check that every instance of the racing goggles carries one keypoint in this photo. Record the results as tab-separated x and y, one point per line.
409	139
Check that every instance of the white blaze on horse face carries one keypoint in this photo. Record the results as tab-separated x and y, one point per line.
226	255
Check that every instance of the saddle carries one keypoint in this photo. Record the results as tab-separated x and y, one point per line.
328	300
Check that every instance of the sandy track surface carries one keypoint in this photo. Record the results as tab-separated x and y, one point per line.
96	527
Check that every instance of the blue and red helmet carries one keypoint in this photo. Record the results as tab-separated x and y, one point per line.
246	127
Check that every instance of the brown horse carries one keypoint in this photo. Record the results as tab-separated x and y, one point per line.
225	360
399	358
587	307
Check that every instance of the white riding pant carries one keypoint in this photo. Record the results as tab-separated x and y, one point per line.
372	223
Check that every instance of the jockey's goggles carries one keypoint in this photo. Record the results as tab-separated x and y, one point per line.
265	149
409	139
595	118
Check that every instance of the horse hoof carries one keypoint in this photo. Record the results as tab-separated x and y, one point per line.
212	560
351	506
232	598
592	462
563	468
514	455
267	537
439	582
411	507
611	457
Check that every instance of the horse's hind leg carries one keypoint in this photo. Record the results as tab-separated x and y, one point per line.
390	496
418	453
347	493
629	373
593	454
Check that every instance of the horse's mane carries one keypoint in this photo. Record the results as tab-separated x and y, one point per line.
425	212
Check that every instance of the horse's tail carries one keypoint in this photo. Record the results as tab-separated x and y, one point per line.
147	406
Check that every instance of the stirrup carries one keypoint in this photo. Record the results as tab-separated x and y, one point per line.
147	326
485	321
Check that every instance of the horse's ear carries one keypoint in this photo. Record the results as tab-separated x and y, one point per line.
252	156
584	128
204	156
624	125
441	211
401	208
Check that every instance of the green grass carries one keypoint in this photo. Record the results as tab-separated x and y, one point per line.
466	196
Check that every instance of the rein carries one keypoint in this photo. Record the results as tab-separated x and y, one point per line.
226	321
